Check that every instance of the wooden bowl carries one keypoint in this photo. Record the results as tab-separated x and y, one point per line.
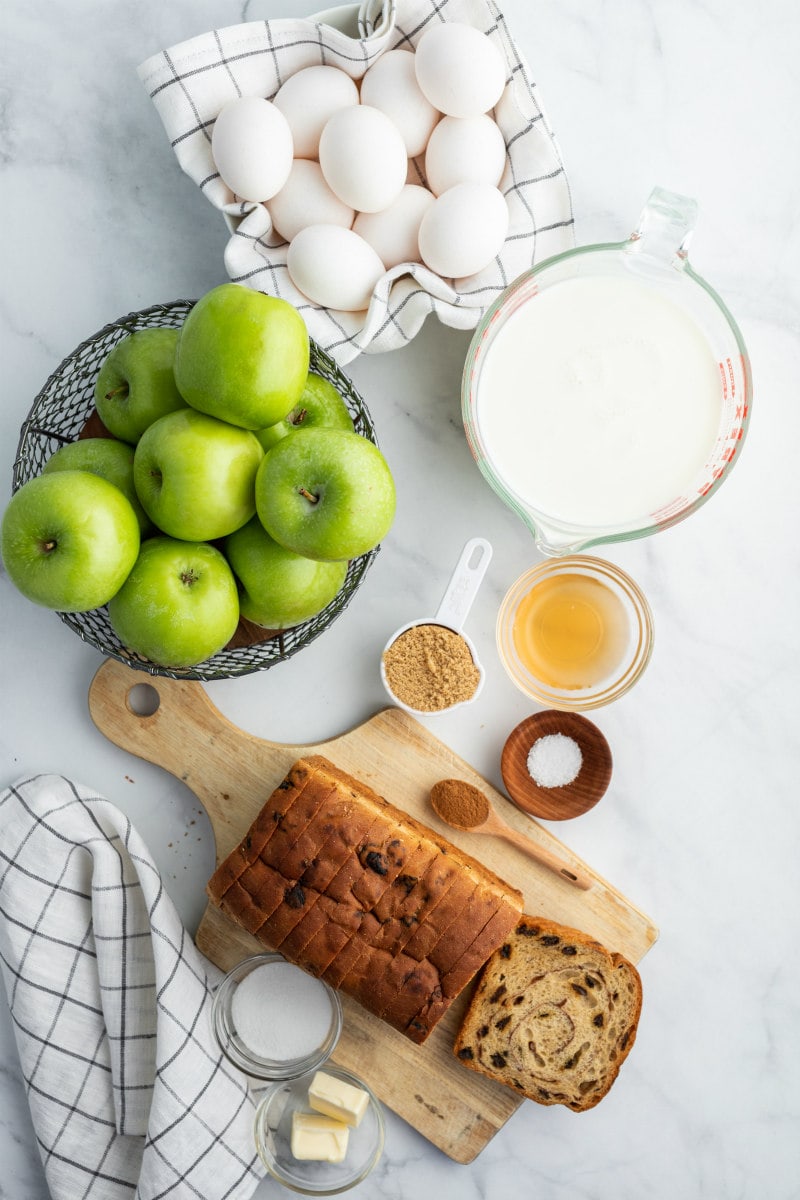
569	799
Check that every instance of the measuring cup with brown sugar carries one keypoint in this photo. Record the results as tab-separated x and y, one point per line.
430	666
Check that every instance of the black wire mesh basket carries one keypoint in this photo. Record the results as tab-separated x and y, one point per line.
64	409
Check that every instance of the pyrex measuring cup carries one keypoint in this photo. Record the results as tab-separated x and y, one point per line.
451	613
654	261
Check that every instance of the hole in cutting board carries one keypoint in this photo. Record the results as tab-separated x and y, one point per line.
143	700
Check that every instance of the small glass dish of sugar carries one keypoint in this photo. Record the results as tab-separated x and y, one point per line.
274	1020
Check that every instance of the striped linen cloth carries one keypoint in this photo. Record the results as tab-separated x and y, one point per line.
110	1002
189	84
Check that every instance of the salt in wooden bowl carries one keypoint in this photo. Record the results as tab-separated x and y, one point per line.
558	802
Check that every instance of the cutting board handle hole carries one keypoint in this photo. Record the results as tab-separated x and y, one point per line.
143	700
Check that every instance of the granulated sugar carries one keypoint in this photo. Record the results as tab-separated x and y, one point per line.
280	1012
554	760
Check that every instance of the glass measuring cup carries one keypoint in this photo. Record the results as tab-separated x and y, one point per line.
451	614
655	257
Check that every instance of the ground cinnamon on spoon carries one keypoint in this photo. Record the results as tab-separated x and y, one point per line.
459	803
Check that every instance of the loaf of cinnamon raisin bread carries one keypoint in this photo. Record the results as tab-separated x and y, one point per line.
553	1016
358	892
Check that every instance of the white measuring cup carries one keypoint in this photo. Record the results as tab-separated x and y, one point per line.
451	613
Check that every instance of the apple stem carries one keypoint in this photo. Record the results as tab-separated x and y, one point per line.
300	417
122	390
312	499
49	545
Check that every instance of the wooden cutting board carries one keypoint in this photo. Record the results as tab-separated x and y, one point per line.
232	773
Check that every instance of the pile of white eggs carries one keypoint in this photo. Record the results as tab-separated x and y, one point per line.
333	165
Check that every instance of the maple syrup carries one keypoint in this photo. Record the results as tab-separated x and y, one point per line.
571	631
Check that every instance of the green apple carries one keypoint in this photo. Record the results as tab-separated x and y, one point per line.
108	458
325	493
68	540
195	475
320	404
136	384
278	588
242	356
179	604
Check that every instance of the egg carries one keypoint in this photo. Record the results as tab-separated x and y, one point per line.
252	148
305	199
394	232
333	266
308	99
459	69
363	158
390	84
463	230
464	150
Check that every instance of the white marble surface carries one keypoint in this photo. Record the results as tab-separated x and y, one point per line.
701	825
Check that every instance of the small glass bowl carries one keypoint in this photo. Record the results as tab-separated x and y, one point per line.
634	653
273	1126
243	1056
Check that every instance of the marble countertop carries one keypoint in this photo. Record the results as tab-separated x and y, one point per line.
701	824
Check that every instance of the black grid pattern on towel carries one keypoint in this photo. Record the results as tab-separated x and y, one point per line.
109	1000
190	83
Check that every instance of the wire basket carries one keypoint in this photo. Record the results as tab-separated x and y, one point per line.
60	414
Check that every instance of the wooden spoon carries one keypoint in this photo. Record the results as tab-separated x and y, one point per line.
467	808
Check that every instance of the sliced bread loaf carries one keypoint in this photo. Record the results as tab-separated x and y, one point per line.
553	1016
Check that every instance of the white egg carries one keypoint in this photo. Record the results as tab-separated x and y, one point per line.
391	85
459	69
308	99
363	158
333	266
463	230
305	199
252	148
393	233
464	150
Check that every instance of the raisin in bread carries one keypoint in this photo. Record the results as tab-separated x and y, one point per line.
358	892
553	1016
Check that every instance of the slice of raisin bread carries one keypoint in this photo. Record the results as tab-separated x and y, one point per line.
554	1015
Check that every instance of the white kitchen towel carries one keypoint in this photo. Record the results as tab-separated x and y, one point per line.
109	997
190	83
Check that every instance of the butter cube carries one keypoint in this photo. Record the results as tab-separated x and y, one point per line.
316	1138
337	1099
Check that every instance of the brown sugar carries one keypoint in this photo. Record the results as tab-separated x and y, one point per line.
430	668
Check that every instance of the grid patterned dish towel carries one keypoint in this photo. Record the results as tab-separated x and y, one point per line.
190	83
110	1003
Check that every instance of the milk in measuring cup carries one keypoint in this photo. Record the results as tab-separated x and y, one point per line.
600	401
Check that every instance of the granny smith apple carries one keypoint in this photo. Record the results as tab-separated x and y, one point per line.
68	540
242	356
320	404
195	475
325	493
179	605
136	384
108	458
278	588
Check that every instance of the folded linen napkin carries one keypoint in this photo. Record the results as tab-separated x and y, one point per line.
189	84
110	1000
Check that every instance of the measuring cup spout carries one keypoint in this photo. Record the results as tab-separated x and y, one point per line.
464	583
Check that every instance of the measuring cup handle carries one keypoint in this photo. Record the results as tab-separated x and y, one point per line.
665	226
464	583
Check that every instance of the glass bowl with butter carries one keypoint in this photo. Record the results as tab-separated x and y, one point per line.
321	1133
